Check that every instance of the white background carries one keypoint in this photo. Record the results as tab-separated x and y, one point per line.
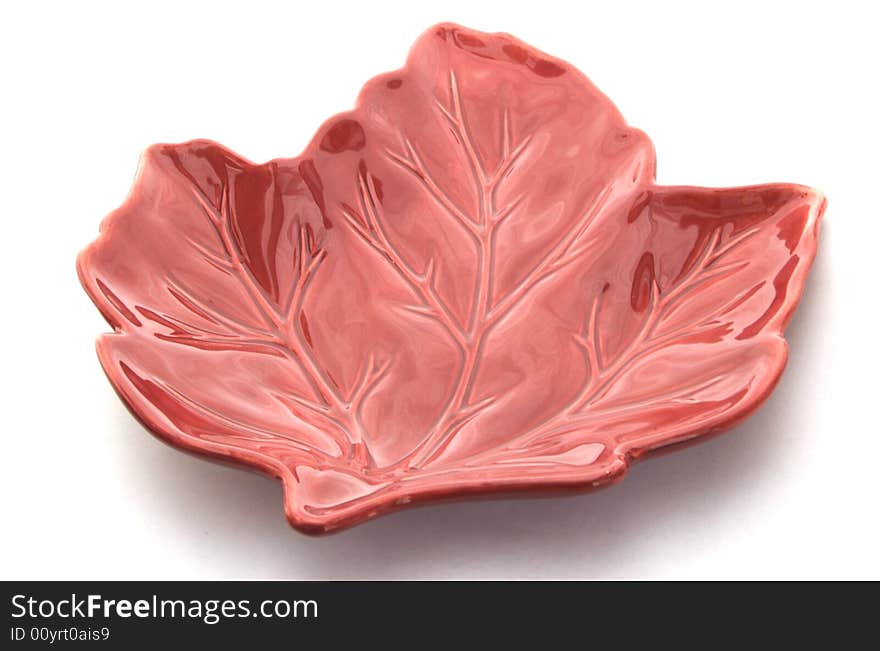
731	94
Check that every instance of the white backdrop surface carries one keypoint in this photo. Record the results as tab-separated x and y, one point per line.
732	94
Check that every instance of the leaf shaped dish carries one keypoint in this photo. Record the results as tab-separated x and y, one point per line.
468	284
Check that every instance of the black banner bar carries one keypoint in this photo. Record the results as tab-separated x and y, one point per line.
121	614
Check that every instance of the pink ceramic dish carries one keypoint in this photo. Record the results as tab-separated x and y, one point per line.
468	284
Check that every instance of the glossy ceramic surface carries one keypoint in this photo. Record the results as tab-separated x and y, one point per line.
468	284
